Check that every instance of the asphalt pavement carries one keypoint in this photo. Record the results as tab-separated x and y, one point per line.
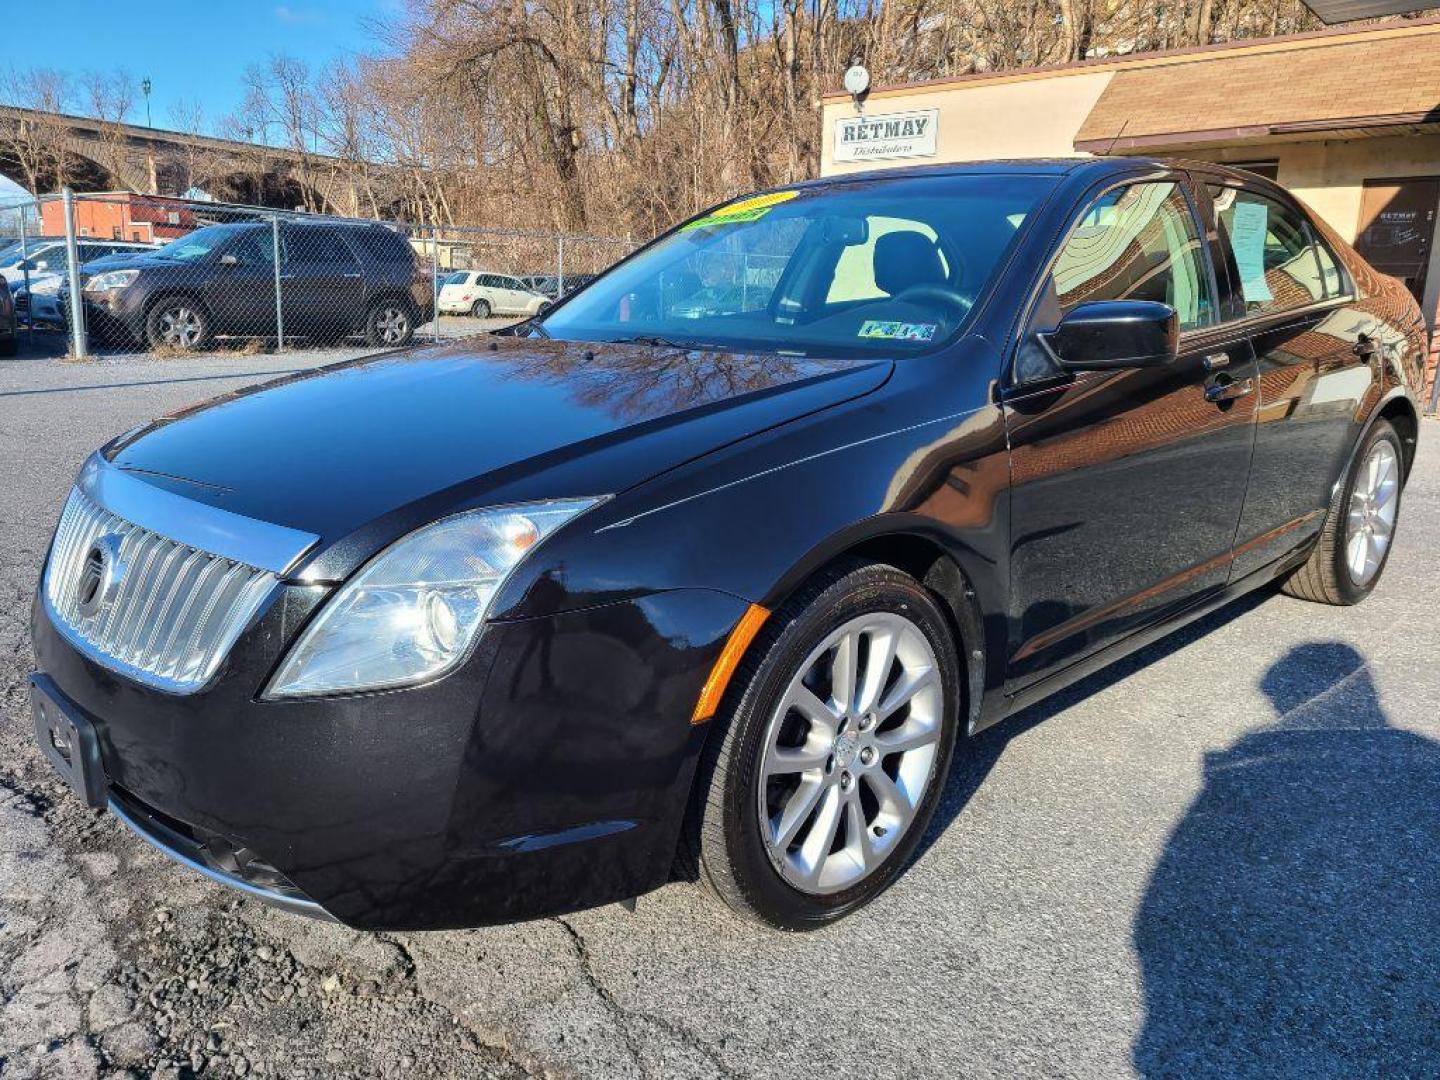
1217	858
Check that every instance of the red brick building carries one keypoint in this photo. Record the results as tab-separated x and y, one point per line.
122	215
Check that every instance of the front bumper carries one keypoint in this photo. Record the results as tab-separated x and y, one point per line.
548	774
116	317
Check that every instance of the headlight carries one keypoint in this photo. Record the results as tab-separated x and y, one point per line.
109	282
413	612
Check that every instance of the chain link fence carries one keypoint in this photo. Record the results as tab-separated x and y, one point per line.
139	273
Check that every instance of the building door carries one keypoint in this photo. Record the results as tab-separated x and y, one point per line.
1397	227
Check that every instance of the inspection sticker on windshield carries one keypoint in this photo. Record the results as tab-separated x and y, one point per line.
898	331
742	211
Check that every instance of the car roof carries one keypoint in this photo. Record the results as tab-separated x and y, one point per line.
1098	167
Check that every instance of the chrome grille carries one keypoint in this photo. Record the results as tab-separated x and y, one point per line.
173	613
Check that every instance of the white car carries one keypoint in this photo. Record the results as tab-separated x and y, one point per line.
46	267
482	294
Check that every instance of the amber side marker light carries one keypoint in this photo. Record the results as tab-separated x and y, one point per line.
729	659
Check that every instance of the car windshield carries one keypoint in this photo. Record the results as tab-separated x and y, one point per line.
877	266
199	244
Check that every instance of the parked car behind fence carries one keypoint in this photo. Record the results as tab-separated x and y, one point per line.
336	279
37	300
285	278
483	293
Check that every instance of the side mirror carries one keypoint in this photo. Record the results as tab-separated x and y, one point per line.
229	260
1108	335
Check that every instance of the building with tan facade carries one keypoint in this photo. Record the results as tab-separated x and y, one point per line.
1348	119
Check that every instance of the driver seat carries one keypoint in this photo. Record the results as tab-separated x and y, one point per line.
905	259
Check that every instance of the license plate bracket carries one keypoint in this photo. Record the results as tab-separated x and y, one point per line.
68	741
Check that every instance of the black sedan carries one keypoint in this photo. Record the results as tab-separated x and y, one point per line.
712	570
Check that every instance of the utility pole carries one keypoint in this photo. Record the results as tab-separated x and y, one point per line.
145	86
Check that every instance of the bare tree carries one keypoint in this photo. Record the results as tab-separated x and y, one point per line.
109	99
39	142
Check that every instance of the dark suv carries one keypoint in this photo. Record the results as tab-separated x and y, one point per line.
335	279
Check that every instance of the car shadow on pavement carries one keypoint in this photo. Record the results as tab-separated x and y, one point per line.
974	759
1292	925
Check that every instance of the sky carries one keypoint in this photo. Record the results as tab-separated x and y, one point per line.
196	50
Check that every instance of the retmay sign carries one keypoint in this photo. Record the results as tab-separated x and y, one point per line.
894	135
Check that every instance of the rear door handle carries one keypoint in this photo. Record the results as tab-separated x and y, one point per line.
1216	360
1229	389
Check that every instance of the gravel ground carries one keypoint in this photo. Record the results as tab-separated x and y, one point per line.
1215	859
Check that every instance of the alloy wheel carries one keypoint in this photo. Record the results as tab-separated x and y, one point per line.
850	752
391	325
182	326
1373	505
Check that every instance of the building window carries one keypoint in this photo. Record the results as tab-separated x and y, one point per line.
1270	170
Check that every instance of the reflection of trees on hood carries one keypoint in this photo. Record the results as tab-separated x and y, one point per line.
635	382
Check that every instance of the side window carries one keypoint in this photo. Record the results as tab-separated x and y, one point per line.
488	281
320	246
512	283
383	245
1278	262
1137	243
255	248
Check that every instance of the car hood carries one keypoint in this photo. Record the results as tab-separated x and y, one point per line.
487	420
122	260
138	260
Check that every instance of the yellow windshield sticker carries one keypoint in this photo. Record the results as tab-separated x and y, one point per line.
736	213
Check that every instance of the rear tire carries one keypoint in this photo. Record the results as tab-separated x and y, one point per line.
1355	542
773	777
480	309
178	322
390	324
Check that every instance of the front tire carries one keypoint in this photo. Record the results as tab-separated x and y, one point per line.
837	735
480	309
1355	541
178	322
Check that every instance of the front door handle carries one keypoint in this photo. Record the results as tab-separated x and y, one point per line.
1216	360
1227	389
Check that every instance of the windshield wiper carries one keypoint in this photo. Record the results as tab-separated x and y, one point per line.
668	343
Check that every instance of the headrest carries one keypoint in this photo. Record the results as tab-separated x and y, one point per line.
905	259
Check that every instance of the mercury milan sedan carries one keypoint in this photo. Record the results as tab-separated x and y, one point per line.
712	570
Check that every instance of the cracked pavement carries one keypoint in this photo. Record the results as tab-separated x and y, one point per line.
1214	859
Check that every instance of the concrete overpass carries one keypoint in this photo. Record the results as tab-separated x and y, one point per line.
42	151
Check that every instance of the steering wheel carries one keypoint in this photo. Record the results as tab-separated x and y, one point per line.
943	294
